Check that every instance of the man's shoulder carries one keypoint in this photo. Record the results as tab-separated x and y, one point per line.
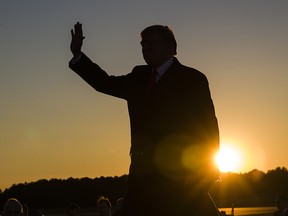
187	71
191	70
141	68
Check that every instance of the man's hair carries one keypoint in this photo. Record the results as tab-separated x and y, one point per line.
165	32
105	200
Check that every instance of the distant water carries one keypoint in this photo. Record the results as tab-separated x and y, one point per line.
250	211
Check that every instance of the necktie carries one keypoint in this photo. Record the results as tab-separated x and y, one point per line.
152	80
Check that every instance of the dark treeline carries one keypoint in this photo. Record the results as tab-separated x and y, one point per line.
254	188
58	193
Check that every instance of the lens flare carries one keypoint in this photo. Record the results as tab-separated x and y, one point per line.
228	159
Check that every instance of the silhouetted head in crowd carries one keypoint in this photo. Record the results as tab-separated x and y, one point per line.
25	210
12	207
282	201
119	204
73	210
104	206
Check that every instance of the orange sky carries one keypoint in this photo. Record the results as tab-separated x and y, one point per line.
53	125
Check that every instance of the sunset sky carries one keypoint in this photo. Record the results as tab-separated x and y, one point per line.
54	125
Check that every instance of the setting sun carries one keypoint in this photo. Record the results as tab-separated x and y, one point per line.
228	158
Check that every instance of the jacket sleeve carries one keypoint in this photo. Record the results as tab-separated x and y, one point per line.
118	86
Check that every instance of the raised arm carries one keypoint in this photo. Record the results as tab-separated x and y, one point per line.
77	39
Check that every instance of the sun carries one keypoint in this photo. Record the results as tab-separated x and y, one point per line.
228	159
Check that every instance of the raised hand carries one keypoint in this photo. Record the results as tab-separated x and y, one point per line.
77	39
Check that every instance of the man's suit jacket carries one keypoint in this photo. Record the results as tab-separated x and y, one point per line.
173	126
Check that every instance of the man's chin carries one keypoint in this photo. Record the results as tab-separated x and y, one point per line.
148	61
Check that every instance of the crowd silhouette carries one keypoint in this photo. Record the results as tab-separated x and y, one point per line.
13	207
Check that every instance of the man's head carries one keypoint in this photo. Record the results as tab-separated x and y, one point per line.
158	44
73	210
119	203
104	206
12	207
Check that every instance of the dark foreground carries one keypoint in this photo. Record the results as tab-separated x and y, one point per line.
243	211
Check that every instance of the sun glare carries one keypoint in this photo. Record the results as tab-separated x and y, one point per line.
228	159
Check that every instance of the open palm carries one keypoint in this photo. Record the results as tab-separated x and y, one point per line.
77	39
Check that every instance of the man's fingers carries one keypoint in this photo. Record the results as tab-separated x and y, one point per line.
78	29
77	33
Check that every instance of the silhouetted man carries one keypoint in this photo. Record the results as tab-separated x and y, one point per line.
174	131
